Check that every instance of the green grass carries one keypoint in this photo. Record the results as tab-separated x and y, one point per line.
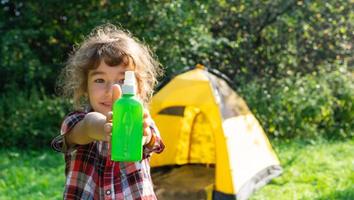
321	170
31	175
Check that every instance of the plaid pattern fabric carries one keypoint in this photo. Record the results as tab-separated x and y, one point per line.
90	173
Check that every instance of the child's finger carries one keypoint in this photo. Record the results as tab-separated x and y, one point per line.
146	124
107	128
109	116
107	137
147	131
116	92
146	113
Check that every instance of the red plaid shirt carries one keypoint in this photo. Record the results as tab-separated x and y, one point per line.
90	173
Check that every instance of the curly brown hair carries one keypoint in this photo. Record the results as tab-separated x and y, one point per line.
114	46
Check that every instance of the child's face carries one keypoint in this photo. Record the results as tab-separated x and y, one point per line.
99	86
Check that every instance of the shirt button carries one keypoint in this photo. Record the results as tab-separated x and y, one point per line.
108	192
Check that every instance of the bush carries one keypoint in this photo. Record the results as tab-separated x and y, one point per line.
243	38
30	119
246	40
311	106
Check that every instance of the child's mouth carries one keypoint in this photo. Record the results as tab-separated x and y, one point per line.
107	104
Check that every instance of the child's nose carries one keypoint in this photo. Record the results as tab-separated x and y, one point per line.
109	88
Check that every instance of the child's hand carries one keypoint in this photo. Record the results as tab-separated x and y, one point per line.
147	120
107	127
95	125
147	131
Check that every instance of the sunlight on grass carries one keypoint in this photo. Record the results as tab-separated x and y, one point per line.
313	171
323	170
31	175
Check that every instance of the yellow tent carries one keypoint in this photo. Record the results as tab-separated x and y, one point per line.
202	120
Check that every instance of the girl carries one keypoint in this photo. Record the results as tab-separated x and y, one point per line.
92	77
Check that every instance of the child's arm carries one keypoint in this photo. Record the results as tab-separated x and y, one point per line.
89	129
155	145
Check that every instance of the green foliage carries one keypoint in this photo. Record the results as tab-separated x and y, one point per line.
30	119
247	40
280	38
244	39
316	105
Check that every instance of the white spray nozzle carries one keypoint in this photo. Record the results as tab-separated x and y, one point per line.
129	78
129	83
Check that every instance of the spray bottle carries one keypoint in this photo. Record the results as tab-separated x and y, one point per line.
127	131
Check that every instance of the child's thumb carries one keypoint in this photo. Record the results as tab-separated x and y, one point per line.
116	92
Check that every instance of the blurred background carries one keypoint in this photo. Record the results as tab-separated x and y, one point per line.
291	60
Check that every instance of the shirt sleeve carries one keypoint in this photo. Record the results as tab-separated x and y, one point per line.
69	122
155	145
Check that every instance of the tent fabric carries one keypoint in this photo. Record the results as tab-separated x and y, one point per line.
258	181
202	147
203	120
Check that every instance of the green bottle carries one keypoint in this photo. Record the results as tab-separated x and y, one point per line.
127	131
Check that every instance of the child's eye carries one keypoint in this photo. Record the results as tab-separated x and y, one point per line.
120	82
99	80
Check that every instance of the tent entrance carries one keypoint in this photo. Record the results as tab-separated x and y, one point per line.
195	142
187	182
201	137
195	155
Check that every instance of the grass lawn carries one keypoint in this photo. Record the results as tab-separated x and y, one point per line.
323	170
31	175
